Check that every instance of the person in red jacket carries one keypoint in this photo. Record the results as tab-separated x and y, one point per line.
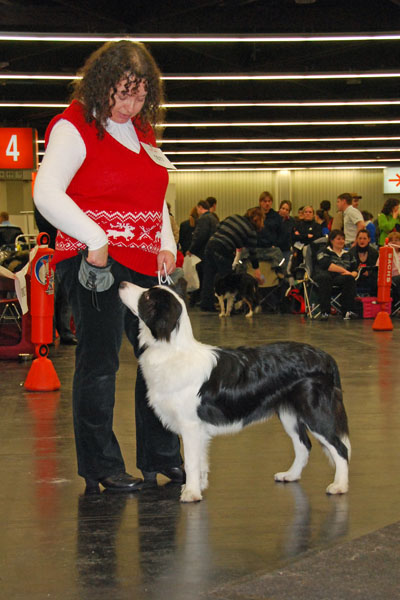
102	183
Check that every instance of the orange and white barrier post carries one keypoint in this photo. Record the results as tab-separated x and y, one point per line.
382	320
42	376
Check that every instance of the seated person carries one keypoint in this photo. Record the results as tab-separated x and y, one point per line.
336	267
304	232
8	232
365	256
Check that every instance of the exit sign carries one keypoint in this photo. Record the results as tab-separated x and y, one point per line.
18	148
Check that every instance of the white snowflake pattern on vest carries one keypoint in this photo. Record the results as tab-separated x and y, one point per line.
124	229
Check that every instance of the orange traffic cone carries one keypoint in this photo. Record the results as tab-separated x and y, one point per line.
42	376
382	322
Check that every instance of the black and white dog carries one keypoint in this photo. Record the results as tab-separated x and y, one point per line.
199	391
242	286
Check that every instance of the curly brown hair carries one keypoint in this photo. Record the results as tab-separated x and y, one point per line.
110	64
389	205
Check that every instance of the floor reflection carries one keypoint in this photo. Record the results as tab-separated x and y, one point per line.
99	519
298	537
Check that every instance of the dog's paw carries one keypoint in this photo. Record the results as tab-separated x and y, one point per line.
188	495
337	488
286	477
221	315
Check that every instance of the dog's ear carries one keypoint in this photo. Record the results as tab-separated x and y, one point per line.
160	310
180	287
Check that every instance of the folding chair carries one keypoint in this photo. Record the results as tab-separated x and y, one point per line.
10	312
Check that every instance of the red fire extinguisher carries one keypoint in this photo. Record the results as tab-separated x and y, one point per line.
42	375
42	292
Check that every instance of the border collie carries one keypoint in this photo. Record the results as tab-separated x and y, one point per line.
241	285
199	391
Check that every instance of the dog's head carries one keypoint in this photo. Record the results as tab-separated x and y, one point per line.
160	308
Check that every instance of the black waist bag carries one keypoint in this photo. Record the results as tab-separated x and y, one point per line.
95	279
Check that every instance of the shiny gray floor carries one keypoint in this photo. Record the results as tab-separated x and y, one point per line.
56	543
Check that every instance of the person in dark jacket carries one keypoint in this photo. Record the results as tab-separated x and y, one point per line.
186	230
62	308
307	230
336	267
233	233
212	203
205	227
366	256
287	225
271	232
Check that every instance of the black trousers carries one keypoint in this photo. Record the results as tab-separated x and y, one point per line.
215	261
99	336
347	284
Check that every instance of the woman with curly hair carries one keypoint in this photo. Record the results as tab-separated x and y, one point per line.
389	219
102	183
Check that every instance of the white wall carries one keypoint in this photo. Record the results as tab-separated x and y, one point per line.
238	191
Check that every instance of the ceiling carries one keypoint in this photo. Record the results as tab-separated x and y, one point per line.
278	113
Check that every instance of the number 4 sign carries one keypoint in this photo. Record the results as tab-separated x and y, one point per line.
17	148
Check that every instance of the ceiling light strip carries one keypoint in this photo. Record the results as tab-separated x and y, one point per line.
269	151
278	162
219	77
193	38
273	140
222	169
281	123
29	104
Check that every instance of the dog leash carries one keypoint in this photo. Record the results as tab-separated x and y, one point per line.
164	279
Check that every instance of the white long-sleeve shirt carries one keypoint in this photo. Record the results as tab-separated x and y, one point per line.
64	156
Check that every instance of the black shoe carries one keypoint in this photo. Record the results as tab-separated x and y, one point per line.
175	474
122	482
324	316
92	488
69	340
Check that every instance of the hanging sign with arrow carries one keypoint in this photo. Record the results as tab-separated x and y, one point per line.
391	180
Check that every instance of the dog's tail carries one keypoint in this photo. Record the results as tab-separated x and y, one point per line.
341	423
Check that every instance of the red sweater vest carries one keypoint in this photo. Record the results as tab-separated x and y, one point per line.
123	192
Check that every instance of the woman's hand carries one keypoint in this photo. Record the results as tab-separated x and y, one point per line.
165	262
258	276
98	257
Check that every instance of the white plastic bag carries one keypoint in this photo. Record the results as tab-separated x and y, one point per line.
190	272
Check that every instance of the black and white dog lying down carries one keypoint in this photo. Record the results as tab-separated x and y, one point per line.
242	286
199	391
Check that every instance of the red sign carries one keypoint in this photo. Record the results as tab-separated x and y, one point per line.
17	148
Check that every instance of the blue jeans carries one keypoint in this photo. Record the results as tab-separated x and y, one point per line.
99	336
